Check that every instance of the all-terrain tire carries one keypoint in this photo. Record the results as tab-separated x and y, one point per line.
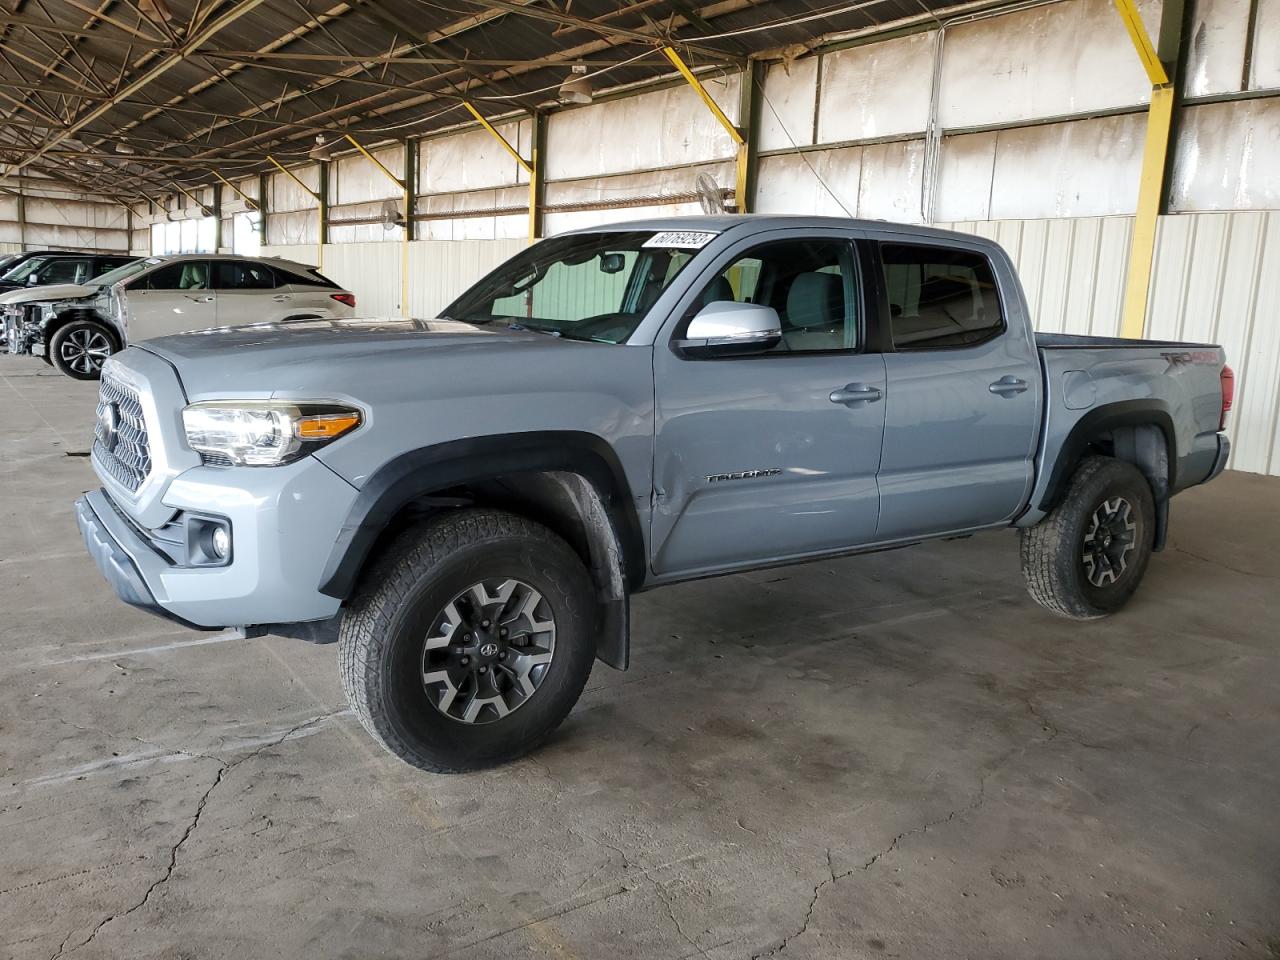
79	349
1054	564
383	638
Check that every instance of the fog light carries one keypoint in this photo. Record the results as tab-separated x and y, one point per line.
221	543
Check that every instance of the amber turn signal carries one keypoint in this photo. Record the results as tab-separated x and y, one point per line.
326	426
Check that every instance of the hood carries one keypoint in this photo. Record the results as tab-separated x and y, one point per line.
342	357
53	291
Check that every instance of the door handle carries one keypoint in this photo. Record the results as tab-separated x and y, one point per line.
207	299
1007	386
282	297
855	394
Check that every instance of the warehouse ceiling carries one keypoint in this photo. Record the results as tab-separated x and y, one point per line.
127	98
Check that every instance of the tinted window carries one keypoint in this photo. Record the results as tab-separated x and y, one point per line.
187	275
939	297
306	277
65	270
110	263
242	275
810	283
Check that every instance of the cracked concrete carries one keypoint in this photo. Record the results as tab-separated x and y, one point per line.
894	755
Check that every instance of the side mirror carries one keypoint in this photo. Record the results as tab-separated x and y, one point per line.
730	329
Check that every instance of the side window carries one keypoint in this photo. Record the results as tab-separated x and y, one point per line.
187	275
939	297
242	275
811	283
65	270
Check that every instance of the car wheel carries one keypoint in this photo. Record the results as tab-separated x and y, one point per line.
80	348
1086	558
468	641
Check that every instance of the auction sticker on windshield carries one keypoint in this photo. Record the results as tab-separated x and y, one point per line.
680	239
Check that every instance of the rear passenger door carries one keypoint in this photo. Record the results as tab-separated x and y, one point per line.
963	403
246	293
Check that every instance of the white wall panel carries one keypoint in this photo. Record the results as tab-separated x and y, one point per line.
966	175
1265	69
890	181
786	119
356	179
876	90
1228	157
1045	62
1083	168
661	129
793	183
440	270
490	226
473	159
1215	61
284	194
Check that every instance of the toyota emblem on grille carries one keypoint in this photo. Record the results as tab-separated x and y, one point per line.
109	420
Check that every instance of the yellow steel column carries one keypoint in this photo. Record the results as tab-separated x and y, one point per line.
1151	186
529	166
1143	246
743	159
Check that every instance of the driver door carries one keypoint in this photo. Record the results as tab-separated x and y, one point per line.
171	299
774	455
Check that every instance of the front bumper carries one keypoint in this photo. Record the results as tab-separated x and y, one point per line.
113	562
284	521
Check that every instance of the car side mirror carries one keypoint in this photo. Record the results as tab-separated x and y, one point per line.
727	328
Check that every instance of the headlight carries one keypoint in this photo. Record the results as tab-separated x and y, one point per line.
264	433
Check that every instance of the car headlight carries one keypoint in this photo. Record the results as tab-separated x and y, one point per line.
264	433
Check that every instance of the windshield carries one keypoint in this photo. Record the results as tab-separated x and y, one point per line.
124	273
584	286
25	269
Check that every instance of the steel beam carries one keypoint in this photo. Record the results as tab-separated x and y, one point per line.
538	177
742	188
166	63
525	164
1158	62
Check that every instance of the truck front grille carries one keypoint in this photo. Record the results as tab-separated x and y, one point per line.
120	442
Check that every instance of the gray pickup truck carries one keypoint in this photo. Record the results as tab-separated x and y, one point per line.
466	504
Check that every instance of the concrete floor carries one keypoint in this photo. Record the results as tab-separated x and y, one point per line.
896	755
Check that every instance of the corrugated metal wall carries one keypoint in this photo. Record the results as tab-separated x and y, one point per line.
1216	280
438	270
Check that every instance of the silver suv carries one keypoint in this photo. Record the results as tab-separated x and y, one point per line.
77	326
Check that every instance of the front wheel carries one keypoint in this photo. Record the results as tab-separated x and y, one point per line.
1086	558
468	641
80	348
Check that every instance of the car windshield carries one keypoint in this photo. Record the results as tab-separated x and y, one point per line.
25	269
112	277
583	286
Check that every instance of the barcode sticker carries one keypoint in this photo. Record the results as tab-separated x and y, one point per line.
680	239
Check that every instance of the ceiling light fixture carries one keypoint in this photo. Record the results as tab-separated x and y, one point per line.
322	150
577	88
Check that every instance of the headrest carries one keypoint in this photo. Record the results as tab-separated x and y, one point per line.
815	300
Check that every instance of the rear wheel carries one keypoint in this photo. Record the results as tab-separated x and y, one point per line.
1087	557
80	348
469	640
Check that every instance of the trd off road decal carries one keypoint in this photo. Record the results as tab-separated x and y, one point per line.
1180	358
743	475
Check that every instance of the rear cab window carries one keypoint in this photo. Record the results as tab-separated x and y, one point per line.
940	297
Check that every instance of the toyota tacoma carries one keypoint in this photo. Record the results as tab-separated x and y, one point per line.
466	504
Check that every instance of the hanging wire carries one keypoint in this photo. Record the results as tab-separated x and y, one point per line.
803	154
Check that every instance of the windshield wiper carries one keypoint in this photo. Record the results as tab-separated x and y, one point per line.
550	331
